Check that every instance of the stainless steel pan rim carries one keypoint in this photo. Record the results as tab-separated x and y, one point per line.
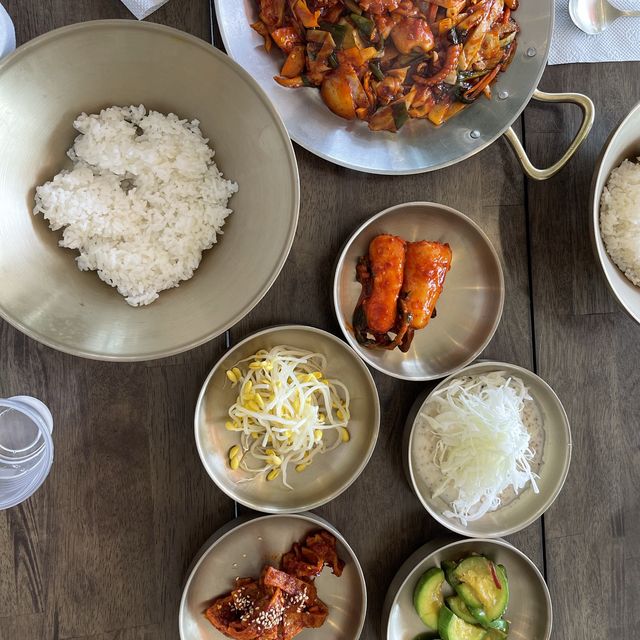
464	132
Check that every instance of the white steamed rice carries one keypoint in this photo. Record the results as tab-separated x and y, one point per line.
620	219
142	202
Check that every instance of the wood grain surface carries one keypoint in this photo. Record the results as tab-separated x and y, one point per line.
588	349
102	549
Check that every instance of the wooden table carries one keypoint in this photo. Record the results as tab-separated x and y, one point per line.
102	549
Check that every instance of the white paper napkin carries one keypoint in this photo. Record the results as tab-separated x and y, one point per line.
143	8
7	33
620	42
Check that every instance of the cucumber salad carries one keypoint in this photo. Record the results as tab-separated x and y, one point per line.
479	596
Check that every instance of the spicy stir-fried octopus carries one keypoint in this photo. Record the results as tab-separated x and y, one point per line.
401	283
385	61
282	602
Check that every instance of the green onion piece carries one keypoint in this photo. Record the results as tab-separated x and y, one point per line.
468	75
400	113
306	82
453	36
338	32
352	6
365	26
505	42
316	35
333	60
376	70
409	58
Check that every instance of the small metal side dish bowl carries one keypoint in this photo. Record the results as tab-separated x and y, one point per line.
331	473
468	310
526	507
623	144
44	86
243	547
529	610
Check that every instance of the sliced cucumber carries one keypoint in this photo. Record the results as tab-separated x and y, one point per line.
501	625
450	627
457	605
483	587
449	567
468	595
495	634
427	597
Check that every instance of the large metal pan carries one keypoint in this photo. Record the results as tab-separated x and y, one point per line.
419	146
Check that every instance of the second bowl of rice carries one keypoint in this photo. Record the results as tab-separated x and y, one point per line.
615	213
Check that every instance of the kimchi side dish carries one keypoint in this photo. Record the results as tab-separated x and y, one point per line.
401	283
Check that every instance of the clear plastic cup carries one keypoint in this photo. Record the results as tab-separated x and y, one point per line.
26	448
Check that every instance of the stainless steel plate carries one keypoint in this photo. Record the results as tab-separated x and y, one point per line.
529	610
330	474
242	548
418	146
624	144
44	85
528	506
469	308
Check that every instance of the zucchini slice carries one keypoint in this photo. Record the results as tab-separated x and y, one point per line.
469	596
495	634
501	625
427	597
483	586
449	567
450	627
457	605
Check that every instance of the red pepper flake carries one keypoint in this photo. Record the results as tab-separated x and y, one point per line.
494	575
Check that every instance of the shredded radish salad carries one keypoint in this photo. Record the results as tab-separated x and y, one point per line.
482	443
287	412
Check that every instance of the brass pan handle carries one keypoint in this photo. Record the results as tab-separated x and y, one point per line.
588	111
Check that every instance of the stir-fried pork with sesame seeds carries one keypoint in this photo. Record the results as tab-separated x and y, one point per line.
282	602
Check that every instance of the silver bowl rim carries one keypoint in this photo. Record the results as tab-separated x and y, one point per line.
594	219
460	529
373	438
339	266
410	565
234	525
291	157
